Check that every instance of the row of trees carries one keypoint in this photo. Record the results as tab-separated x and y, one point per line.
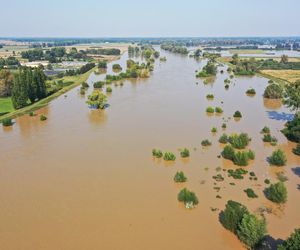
28	85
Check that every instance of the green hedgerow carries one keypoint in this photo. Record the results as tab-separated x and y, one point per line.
214	130
277	158
168	156
180	177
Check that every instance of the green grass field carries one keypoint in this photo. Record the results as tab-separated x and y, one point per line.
5	105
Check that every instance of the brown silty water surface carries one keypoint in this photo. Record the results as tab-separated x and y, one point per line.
86	179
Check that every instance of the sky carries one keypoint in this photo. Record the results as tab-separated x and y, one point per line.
151	18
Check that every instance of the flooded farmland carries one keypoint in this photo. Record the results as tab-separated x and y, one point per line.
86	179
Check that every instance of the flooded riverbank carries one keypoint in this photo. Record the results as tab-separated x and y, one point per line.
86	179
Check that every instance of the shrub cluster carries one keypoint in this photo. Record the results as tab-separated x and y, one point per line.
188	197
239	141
210	110
292	242
157	153
277	158
169	156
250	193
210	96
206	143
277	192
240	158
180	177
185	153
251	91
292	129
237	114
273	91
223	139
43	118
237	173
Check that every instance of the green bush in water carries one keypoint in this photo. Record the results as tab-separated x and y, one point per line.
219	110
99	85
277	192
251	91
43	118
108	89
239	141
31	114
241	158
180	177
210	96
214	130
237	173
292	242
296	150
188	197
82	91
237	114
273	91
157	153
223	139
292	129
228	152
97	100
84	85
7	122
168	156
117	67
224	125
206	143
265	130
267	181
185	153
210	110
250	193
277	158
269	138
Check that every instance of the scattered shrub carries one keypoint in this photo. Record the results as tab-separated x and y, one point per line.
97	100
273	91
237	114
292	129
237	173
185	153
108	89
251	155
180	177
241	158
188	197
7	122
277	158
223	139
210	96
84	85
98	85
168	156
157	153
226	86
206	143
251	91
210	110
219	110
281	177
214	130
250	193
277	192
296	150
224	125
239	141
269	138
43	118
267	181
31	114
265	130
228	152
116	67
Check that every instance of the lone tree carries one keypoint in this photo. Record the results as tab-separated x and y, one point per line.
284	59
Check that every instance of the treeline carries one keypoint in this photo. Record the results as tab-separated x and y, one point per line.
9	62
107	52
175	48
83	69
29	85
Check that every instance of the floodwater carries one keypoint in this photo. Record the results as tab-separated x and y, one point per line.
86	179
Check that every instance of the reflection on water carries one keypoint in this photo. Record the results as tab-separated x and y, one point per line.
85	178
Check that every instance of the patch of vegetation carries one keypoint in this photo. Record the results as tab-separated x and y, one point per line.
237	114
43	118
214	130
237	173
218	177
296	150
99	84
108	89
250	193
273	91
223	139
219	110
228	152
7	122
185	153
224	125
180	177
117	67
210	110
277	192
157	153
278	158
206	143
267	181
210	96
265	130
292	129
281	177
241	158
269	138
188	197
210	69
292	242
239	141
251	91
97	100
169	156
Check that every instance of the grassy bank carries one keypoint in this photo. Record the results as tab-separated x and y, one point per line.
6	105
289	76
42	103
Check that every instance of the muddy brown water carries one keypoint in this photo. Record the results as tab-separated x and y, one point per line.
86	179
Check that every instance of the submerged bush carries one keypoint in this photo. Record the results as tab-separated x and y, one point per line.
277	158
237	114
84	85
228	152
292	242
98	85
214	130
7	122
43	118
108	89
292	129
239	141
97	100
251	91
265	130
277	192
168	156
250	193
210	96
157	153
205	143
116	67
237	173
269	138
241	158
219	110
296	150
223	139
210	110
180	177
273	91
185	153
188	197
224	125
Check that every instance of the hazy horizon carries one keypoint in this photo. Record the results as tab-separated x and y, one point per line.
155	19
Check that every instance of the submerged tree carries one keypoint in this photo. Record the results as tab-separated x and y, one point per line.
97	100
